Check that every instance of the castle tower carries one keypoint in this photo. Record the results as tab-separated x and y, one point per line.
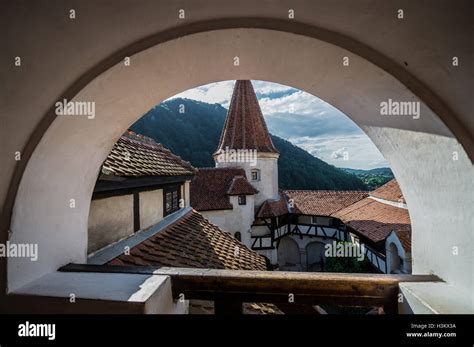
245	142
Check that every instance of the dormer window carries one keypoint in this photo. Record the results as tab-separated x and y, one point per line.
171	200
242	200
255	175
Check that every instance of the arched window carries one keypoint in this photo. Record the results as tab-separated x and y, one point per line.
238	236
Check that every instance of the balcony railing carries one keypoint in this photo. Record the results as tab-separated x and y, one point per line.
230	288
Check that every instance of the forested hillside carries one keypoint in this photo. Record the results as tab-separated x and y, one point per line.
191	129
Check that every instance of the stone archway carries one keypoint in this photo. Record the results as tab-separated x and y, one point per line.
65	163
315	256
289	258
393	259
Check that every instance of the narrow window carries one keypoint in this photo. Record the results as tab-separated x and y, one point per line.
242	200
238	236
255	175
171	200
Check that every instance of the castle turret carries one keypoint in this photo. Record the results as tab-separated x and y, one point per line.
245	142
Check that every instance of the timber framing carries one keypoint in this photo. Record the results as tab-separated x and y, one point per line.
108	188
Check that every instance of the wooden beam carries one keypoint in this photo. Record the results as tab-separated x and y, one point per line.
275	286
144	183
136	211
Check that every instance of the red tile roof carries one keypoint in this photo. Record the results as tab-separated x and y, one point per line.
405	239
240	186
245	126
211	187
389	191
136	155
373	219
273	208
321	202
192	241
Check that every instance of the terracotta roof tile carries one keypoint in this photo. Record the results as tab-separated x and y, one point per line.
240	186
389	191
245	126
193	241
273	208
321	202
136	155
405	238
373	219
211	187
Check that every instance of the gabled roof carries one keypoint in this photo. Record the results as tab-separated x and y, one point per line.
273	207
211	187
192	241
245	127
389	191
321	202
240	186
373	219
136	155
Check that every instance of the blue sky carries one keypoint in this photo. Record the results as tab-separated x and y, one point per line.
304	120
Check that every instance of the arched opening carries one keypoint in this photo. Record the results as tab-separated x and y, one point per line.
289	258
315	256
122	94
395	260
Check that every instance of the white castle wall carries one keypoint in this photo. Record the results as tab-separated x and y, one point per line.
240	218
267	185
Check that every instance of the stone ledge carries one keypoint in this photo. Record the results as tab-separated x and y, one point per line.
435	298
98	293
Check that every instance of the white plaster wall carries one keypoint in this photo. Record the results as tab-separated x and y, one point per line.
187	194
435	187
110	220
440	199
240	218
267	186
260	230
329	231
151	207
392	238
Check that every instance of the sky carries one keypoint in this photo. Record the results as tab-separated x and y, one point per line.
304	120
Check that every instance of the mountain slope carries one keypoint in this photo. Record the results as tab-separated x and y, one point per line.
373	178
194	135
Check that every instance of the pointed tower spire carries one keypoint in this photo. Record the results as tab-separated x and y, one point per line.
245	126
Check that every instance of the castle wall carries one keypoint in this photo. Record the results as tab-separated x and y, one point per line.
267	184
239	219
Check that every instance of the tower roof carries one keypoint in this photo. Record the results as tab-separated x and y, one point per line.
245	126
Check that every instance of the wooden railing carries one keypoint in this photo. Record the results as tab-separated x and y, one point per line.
229	288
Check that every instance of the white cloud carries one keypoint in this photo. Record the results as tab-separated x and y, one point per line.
219	92
304	120
340	153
